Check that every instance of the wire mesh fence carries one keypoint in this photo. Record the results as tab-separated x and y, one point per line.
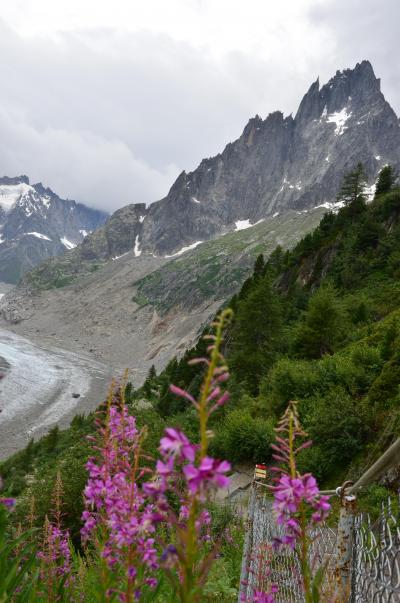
375	551
376	558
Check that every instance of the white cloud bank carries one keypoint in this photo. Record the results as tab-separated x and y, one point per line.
107	103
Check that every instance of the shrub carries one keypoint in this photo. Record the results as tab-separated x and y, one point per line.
243	437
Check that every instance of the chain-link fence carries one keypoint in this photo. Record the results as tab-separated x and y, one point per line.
375	557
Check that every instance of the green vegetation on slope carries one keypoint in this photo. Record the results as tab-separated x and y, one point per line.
218	267
320	324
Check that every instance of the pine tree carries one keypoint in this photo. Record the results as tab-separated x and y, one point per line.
353	187
276	259
257	334
258	267
150	379
386	180
324	324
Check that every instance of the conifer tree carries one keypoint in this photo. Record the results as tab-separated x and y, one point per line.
324	324
353	186
257	334
276	259
386	180
258	266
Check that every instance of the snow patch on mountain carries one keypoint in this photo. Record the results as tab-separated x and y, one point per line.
331	206
116	257
370	192
11	193
339	118
184	249
68	244
136	250
242	224
39	235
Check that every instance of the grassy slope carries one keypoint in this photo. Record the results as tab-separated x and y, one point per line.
217	268
214	269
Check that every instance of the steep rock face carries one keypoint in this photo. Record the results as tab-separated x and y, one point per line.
278	164
36	224
281	163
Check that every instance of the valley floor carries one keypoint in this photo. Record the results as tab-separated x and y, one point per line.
37	390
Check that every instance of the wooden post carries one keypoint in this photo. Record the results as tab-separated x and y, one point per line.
344	543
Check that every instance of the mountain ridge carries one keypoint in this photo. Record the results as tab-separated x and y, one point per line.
35	223
277	164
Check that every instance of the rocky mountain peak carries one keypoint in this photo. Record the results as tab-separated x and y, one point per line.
310	106
36	224
7	181
356	88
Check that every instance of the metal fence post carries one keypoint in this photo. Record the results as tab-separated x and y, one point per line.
248	544
344	543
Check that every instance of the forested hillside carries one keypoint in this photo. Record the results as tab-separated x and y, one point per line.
319	324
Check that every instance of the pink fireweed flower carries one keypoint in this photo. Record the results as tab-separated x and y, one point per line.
214	394
289	494
322	508
260	596
176	443
169	557
118	504
220	402
202	360
222	378
55	554
210	472
310	488
165	469
9	503
178	391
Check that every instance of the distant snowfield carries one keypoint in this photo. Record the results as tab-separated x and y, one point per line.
184	249
136	250
67	244
243	224
339	119
39	235
37	389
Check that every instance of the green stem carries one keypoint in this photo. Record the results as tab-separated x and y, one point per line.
206	389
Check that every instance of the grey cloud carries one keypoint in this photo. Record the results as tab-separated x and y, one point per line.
363	29
108	117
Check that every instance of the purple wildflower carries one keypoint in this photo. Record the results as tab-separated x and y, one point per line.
210	472
176	443
9	503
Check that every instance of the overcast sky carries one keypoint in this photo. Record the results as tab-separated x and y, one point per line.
107	101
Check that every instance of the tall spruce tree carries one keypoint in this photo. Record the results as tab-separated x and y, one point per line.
352	190
386	180
324	324
257	334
